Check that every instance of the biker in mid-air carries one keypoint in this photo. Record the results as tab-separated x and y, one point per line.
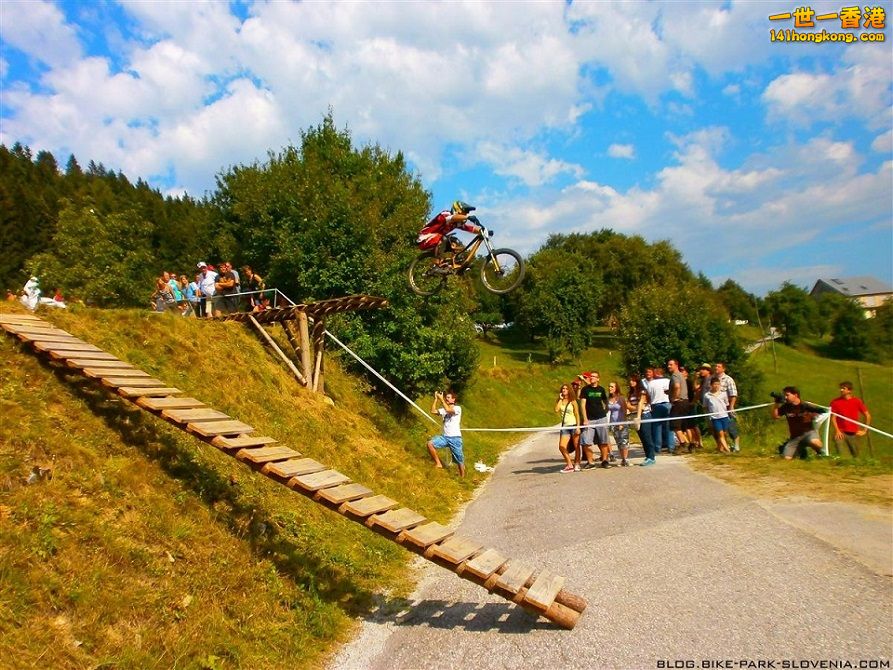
436	233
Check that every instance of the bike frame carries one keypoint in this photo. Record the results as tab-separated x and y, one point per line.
470	250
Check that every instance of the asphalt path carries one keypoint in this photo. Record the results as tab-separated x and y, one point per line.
680	571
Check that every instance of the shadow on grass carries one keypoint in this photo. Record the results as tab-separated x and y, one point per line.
140	430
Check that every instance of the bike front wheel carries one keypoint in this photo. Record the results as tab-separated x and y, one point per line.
425	276
502	271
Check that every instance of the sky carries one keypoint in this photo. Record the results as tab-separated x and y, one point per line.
761	161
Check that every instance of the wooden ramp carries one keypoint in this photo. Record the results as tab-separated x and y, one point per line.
540	592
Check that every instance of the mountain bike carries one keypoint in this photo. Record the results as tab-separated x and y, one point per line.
501	269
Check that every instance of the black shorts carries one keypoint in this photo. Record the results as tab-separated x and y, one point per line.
680	408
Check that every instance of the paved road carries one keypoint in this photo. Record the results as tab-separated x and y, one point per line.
676	567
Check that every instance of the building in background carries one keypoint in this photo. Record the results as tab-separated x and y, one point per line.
868	291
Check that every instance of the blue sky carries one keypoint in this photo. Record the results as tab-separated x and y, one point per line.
761	161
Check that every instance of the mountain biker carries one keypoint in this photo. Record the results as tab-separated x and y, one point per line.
436	233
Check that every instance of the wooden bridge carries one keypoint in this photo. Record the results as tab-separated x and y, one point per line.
540	592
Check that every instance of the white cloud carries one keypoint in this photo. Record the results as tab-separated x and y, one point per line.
532	168
883	143
39	29
627	151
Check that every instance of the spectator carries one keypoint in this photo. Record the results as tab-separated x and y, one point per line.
575	438
595	418
163	297
849	408
253	284
31	293
451	438
617	415
225	288
715	403
638	410
566	408
731	390
206	290
263	306
690	423
192	295
680	407
800	417
10	295
658	396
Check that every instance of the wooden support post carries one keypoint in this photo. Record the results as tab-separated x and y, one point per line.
319	347
293	336
305	347
272	343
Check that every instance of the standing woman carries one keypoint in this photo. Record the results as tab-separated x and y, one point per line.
616	417
639	409
566	408
575	438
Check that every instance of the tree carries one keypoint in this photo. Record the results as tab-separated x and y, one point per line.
326	219
793	310
105	260
560	301
850	333
828	307
687	323
740	304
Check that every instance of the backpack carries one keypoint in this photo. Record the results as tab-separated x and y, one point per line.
431	234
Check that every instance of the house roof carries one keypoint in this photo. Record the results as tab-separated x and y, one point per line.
856	286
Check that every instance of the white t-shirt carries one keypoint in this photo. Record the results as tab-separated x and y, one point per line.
451	421
207	283
657	390
716	404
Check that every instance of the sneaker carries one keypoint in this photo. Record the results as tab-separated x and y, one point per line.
612	457
576	468
568	468
589	466
647	461
624	463
605	464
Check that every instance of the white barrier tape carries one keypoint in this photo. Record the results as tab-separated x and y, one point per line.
863	425
555	429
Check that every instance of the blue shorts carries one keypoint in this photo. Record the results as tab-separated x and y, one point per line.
455	445
721	425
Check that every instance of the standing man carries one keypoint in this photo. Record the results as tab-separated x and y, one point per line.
451	437
226	290
727	385
659	397
679	406
849	406
800	428
206	289
594	399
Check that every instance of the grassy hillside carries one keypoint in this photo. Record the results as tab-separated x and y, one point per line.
150	549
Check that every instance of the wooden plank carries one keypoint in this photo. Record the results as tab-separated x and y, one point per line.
366	506
80	354
34	333
12	316
486	564
222	442
456	549
212	428
300	466
120	373
319	480
131	382
156	404
340	494
514	578
97	363
197	414
544	589
428	534
267	454
129	392
73	346
396	520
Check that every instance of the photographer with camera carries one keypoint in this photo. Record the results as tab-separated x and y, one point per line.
800	416
451	437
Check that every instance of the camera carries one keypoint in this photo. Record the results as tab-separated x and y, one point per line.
777	397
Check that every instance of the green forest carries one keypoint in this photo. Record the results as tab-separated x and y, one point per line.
325	218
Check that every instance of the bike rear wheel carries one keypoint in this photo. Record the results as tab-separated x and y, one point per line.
509	274
425	277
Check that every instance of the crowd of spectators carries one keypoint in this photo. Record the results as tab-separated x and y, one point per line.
213	291
672	411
